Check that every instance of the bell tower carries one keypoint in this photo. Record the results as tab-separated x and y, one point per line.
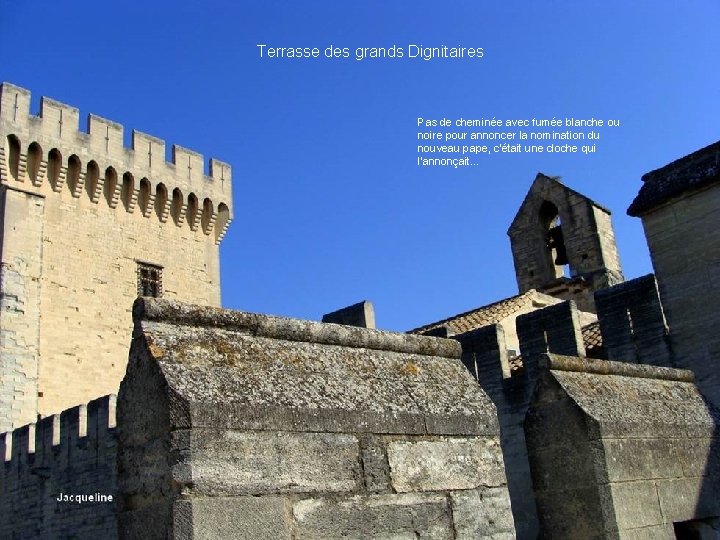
563	243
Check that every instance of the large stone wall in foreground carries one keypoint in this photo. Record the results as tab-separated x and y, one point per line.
621	451
235	425
629	314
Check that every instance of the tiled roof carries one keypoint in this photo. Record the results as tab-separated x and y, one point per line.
497	311
482	316
691	172
593	341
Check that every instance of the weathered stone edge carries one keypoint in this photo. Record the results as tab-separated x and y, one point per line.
677	178
605	367
179	313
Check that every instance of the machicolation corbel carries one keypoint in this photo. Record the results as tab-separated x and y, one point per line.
50	150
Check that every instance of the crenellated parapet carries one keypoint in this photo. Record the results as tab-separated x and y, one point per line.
53	440
551	329
506	378
50	150
58	476
633	330
632	322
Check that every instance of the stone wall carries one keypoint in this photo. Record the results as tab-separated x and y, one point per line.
73	454
632	322
237	425
680	209
555	328
99	209
484	353
620	450
588	238
21	234
684	242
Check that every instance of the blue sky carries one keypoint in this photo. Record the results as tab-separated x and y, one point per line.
330	205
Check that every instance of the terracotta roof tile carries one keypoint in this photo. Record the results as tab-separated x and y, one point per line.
482	316
497	311
592	338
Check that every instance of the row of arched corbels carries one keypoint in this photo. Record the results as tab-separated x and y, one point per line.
35	167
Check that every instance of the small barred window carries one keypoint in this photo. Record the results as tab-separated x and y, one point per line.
149	280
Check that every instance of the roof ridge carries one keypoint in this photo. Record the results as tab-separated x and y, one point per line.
435	324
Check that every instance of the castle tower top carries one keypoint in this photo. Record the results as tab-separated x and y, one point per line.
86	226
50	147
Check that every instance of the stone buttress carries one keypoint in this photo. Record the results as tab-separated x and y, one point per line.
238	425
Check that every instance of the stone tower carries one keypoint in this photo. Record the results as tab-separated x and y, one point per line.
563	244
679	205
87	225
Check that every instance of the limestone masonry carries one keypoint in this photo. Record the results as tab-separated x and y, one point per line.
680	209
583	407
82	217
563	244
238	425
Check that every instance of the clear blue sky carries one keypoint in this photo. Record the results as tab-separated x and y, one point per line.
330	206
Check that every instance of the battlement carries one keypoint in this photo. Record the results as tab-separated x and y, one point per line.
631	322
69	454
50	150
59	437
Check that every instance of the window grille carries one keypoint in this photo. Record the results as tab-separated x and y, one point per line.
149	280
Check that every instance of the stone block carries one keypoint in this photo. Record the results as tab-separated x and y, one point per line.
636	504
376	471
361	314
553	329
562	466
397	517
643	459
482	513
252	372
655	532
700	456
150	522
570	514
485	355
232	518
266	462
447	464
689	498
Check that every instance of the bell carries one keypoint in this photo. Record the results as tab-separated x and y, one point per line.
555	241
